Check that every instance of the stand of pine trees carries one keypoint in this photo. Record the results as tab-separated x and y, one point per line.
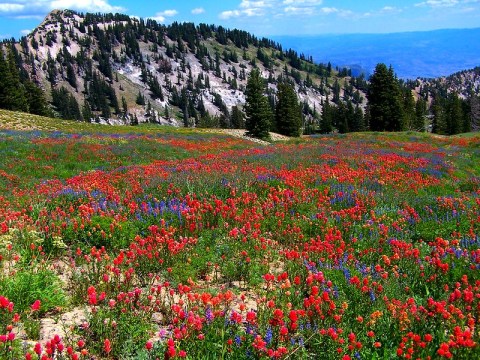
258	112
391	107
17	92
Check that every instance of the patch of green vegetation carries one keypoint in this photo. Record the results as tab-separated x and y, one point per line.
26	286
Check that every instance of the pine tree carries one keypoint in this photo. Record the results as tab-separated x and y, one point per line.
384	100
327	118
36	100
288	114
124	106
475	113
167	113
140	99
238	119
257	109
3	78
439	122
87	112
13	95
454	113
420	112
341	118
408	110
358	121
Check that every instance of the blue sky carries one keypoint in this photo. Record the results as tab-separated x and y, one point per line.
264	17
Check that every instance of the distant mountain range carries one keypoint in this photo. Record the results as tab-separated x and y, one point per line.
426	54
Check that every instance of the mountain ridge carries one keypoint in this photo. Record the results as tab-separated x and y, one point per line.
157	62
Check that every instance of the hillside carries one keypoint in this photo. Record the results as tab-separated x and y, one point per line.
465	83
121	70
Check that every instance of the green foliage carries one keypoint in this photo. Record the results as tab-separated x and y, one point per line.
17	92
288	114
66	104
420	112
127	331
326	123
385	100
450	115
140	100
237	118
29	285
257	109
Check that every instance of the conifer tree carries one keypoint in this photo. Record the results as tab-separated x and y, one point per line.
384	100
238	119
327	118
87	112
257	109
358	121
439	122
140	99
288	114
408	109
475	113
420	111
36	100
12	93
454	114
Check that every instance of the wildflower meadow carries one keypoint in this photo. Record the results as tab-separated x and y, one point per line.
156	244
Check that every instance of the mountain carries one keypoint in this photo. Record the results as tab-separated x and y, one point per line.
412	54
464	83
118	69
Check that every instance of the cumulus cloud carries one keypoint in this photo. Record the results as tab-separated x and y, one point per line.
38	8
246	4
302	2
25	32
162	15
197	11
292	10
438	3
329	10
225	15
248	8
284	8
86	5
389	9
8	7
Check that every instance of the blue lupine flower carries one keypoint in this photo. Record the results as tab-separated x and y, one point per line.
268	336
209	315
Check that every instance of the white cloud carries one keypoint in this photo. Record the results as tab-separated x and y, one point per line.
292	10
162	15
86	5
248	8
282	8
302	2
388	8
38	8
225	15
197	11
245	4
169	13
9	7
25	32
438	3
329	10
